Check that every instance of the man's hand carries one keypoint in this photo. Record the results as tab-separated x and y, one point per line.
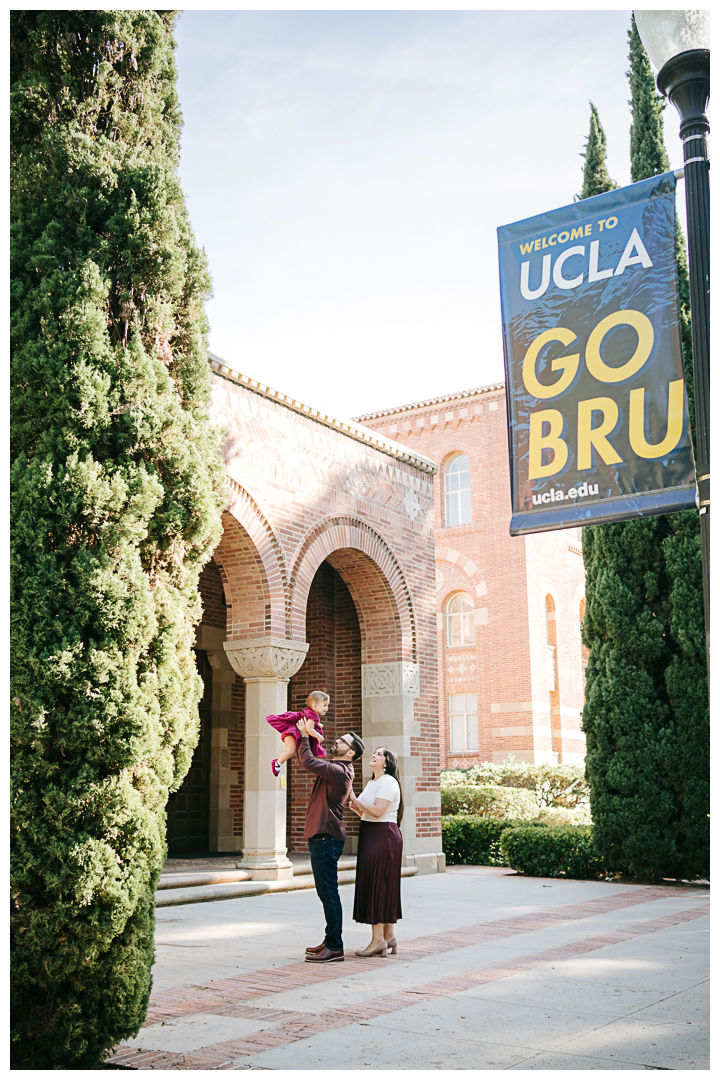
302	726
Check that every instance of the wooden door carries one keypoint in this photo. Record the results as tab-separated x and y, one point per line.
187	809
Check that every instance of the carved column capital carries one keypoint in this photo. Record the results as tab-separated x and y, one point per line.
266	657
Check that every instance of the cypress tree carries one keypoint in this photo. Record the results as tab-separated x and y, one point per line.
117	487
646	711
596	178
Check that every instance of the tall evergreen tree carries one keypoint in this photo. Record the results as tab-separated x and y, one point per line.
596	178
117	487
646	712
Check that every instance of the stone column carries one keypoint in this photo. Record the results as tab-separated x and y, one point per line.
266	665
388	712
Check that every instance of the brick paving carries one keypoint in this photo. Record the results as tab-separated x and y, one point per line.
228	997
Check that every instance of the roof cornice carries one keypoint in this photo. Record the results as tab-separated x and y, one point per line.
351	429
429	402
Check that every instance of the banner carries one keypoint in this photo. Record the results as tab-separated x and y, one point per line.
597	410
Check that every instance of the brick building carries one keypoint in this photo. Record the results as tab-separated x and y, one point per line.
511	663
324	579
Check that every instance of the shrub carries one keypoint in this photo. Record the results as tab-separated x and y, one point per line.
560	815
553	785
455	778
559	851
474	841
496	802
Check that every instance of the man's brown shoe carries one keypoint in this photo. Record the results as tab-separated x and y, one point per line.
315	949
324	957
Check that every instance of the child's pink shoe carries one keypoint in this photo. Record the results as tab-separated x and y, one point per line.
275	766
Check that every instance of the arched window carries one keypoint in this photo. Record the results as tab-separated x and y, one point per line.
460	620
456	481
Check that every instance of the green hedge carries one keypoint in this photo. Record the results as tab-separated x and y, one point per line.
553	851
475	841
553	785
560	815
495	802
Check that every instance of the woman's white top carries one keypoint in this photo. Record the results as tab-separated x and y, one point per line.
385	787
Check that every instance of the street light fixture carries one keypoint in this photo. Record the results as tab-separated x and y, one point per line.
678	44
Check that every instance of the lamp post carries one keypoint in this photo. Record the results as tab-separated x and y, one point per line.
678	44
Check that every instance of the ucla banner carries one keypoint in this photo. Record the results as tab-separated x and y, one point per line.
597	410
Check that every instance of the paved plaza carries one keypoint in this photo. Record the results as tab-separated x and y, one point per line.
493	971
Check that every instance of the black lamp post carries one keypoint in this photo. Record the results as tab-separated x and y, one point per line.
677	43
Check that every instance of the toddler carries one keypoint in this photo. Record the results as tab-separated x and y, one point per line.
286	723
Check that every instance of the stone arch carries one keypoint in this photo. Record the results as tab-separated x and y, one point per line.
466	566
456	558
253	569
372	573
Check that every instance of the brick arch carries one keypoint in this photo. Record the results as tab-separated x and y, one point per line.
372	573
456	558
454	590
253	569
455	446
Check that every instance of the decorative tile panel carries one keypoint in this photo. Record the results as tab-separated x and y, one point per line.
381	680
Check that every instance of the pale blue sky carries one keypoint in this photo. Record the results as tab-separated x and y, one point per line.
346	173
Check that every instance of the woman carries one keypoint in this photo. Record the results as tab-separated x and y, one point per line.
377	875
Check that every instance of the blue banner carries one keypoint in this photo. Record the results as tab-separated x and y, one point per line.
597	410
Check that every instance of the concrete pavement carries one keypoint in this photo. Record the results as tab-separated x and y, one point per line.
494	971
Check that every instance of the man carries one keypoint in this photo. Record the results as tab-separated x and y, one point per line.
325	830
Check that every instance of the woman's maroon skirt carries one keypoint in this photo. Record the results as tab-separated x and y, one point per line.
377	875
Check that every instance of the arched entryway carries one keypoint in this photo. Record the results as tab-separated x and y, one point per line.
334	665
350	630
351	603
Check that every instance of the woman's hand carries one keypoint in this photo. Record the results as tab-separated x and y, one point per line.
352	803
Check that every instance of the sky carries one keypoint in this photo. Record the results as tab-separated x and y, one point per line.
346	172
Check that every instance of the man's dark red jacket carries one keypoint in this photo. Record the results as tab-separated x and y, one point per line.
333	784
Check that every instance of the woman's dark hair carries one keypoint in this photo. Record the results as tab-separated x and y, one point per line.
391	769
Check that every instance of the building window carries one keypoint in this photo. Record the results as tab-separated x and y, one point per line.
463	722
456	479
584	653
552	672
460	620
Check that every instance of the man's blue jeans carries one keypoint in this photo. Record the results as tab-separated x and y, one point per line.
324	854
